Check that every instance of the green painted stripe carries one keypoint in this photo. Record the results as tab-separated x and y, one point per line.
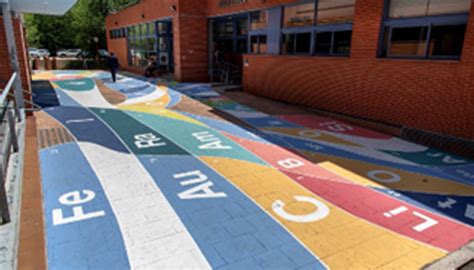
79	85
199	140
141	139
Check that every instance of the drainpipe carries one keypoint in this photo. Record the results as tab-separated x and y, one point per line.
12	51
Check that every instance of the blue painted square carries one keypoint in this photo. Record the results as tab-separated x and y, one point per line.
274	259
246	264
210	216
239	226
212	235
299	256
239	248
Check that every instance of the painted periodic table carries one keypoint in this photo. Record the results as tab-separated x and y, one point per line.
134	176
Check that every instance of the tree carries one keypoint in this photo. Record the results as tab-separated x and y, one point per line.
76	29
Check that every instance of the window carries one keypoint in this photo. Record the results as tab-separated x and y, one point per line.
342	43
335	11
446	40
408	41
242	26
299	43
117	33
421	8
224	28
258	20
298	15
437	31
329	24
258	44
231	34
145	42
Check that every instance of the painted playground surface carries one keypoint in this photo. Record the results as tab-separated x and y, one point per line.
134	176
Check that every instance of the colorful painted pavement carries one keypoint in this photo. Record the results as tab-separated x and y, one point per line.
134	176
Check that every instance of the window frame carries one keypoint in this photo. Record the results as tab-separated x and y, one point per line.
417	21
258	43
313	30
256	32
235	37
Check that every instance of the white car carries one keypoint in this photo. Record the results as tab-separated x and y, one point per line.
43	53
68	53
33	52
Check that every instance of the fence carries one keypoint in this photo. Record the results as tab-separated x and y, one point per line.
9	115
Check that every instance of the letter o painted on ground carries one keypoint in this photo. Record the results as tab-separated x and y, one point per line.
391	177
322	211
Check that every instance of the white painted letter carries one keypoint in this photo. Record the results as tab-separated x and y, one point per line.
204	190
320	213
290	163
73	198
200	177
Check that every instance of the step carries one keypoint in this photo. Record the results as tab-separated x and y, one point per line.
228	88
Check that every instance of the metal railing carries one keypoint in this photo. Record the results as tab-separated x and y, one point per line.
9	115
227	73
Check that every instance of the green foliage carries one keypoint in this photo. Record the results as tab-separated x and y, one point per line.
76	29
85	64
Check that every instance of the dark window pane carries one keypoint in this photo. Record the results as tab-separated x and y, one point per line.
242	46
298	15
447	40
258	20
303	43
263	44
254	44
437	7
224	46
410	41
162	28
288	45
335	11
229	28
243	26
323	43
342	42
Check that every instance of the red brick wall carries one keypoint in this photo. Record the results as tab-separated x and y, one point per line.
189	33
432	95
145	11
214	9
5	69
190	41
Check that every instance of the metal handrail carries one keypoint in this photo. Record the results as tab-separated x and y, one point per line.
9	112
7	88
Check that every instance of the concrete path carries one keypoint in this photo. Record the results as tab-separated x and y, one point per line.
147	175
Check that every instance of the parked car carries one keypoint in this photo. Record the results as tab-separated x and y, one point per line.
68	53
43	53
87	54
33	52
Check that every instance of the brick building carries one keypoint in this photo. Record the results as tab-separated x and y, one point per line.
408	63
6	69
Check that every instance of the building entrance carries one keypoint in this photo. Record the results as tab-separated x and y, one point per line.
228	43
